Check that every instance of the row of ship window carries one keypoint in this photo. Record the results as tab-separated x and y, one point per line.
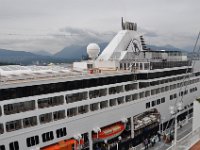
44	118
174	86
32	121
48	136
12	146
20	92
70	98
182	93
172	96
34	140
155	102
141	66
59	100
57	115
158	82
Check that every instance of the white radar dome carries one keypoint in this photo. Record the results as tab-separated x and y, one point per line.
93	50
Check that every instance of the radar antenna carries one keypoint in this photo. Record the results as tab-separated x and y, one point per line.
128	25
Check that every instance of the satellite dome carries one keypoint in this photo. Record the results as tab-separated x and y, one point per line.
93	50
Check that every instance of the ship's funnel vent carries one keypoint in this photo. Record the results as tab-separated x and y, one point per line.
129	25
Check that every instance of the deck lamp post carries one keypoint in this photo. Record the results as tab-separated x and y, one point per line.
174	110
119	139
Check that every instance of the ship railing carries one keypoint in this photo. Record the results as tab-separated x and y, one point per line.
187	141
20	79
182	142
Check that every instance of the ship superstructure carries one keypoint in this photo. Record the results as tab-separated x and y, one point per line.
124	92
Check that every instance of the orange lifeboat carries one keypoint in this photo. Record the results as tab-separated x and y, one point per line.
109	132
65	145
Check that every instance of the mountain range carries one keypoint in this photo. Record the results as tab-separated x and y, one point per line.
76	52
25	58
66	55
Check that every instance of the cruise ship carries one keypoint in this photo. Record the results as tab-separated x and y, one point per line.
118	96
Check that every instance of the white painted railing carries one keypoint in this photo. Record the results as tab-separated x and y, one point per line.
187	141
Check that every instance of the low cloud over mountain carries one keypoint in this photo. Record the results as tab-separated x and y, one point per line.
76	52
52	43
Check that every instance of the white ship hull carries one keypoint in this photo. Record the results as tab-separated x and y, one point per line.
53	110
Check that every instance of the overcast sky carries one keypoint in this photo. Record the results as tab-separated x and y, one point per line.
35	25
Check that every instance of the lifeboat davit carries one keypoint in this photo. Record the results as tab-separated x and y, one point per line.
109	132
65	145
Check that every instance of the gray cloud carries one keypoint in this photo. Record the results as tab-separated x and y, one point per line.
172	22
53	42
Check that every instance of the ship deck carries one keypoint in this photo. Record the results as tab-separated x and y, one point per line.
26	74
